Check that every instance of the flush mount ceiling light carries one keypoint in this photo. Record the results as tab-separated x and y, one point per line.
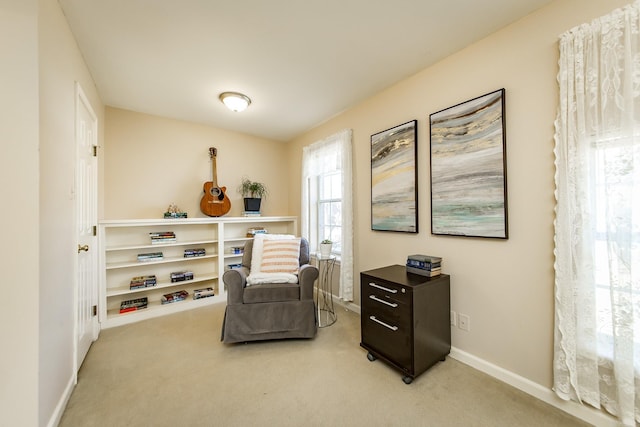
235	101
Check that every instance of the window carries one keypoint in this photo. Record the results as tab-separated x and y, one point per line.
329	207
615	242
326	201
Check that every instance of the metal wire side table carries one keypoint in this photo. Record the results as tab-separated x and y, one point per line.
324	297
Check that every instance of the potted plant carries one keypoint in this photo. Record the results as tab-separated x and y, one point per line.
325	248
253	193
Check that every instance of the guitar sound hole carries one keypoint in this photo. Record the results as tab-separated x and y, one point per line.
215	192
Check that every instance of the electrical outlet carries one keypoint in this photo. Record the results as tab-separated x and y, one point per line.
453	317
464	322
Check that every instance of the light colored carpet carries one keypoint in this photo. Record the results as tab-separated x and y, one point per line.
174	371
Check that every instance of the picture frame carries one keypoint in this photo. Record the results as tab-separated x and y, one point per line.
469	168
394	185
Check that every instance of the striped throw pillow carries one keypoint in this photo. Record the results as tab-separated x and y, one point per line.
281	256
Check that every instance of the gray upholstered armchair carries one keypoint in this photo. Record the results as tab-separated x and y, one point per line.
273	310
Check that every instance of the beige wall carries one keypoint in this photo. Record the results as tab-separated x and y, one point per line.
61	66
505	286
19	177
151	162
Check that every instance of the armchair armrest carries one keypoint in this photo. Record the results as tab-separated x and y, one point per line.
236	280
307	275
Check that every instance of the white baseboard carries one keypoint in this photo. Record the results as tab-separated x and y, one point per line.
62	403
583	412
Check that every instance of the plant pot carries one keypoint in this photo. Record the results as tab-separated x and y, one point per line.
252	204
325	250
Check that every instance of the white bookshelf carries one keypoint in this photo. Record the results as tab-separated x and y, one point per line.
122	240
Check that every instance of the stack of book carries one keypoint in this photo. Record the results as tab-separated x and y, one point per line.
250	213
160	237
233	266
251	232
190	253
181	276
203	293
425	265
151	256
133	305
174	297
142	282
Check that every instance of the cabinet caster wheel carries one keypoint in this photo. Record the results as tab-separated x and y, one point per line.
371	357
407	380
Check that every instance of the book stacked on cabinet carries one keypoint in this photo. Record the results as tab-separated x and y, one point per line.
425	265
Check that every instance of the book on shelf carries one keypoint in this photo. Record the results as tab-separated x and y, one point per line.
174	297
251	232
251	213
162	237
151	256
233	266
203	293
133	305
190	253
181	276
142	282
236	250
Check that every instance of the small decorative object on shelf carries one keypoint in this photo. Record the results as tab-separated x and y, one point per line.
173	211
253	193
151	256
181	276
425	265
174	297
325	248
133	305
203	293
237	250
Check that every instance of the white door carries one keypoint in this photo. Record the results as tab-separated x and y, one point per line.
87	328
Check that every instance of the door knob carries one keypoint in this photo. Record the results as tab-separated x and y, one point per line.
83	248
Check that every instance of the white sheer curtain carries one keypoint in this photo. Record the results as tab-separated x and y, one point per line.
597	229
331	154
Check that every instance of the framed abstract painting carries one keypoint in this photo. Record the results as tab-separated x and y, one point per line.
394	188
468	168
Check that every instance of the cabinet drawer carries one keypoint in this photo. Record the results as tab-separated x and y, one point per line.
393	341
386	290
397	313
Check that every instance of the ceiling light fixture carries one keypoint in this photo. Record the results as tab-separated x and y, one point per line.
235	101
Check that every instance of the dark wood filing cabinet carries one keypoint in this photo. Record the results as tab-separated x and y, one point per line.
405	318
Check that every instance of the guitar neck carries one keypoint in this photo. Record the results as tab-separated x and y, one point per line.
214	171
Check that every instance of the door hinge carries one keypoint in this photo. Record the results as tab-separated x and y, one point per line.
95	230
95	310
95	150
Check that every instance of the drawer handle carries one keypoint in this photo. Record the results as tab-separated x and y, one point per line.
393	328
393	291
390	304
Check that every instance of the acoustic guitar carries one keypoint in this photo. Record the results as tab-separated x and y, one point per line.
214	201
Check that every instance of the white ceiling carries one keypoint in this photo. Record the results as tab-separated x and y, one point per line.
300	61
